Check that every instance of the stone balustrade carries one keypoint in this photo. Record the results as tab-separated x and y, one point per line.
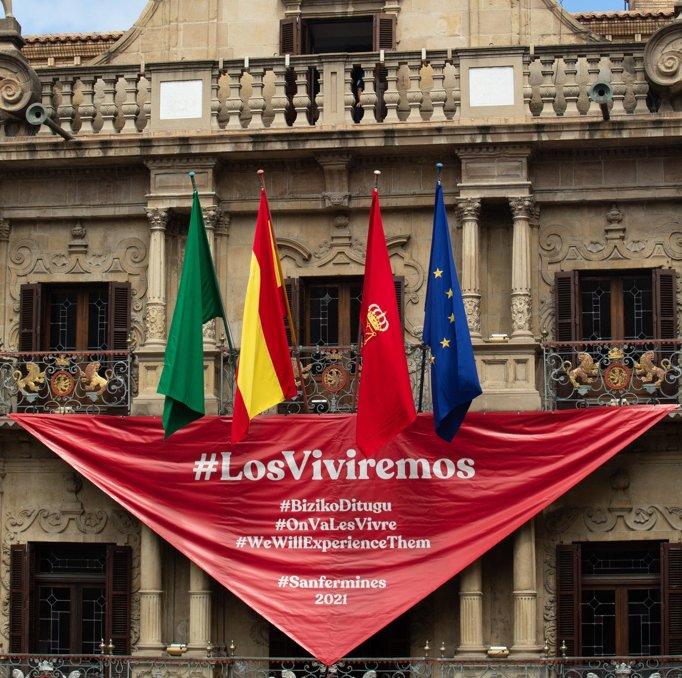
345	91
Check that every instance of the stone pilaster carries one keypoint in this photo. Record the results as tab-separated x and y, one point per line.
5	230
521	300
525	592
471	611
211	217
199	611
155	316
151	593
468	210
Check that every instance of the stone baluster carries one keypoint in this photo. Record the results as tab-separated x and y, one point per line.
548	87
155	317
471	611
415	96
199	611
216	106
571	87
349	97
47	99
456	89
438	93
641	86
319	98
521	301
108	106
129	107
235	105
525	592
527	87
391	95
368	97
301	99
279	98
593	62
618	84
257	102
151	593
87	108
66	110
469	210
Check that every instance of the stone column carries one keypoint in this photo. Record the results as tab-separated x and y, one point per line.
199	610
521	301
468	210
155	318
525	593
471	611
150	593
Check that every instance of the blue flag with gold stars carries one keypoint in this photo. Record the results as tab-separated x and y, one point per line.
454	380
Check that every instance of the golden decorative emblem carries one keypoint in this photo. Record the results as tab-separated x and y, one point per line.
62	361
62	384
31	381
616	353
334	378
377	322
585	373
617	377
650	373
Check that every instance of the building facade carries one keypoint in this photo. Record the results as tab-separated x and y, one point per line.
565	218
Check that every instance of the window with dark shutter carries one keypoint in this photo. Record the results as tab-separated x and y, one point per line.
565	305
671	561
290	36
119	315
119	564
30	297
399	283
293	292
384	31
567	598
19	577
665	303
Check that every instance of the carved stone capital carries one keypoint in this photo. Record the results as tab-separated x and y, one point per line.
158	218
211	217
521	207
223	224
468	209
5	229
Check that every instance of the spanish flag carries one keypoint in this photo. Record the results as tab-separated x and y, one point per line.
264	374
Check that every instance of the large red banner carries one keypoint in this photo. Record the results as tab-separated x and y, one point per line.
326	543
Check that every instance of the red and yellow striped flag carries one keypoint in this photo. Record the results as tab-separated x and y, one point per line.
264	374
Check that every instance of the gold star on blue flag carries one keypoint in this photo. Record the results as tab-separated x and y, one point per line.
454	380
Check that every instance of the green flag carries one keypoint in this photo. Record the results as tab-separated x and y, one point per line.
182	379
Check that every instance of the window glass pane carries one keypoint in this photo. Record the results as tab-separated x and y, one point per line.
98	320
598	622
93	619
595	309
324	315
355	303
644	621
638	307
54	620
71	559
63	321
602	560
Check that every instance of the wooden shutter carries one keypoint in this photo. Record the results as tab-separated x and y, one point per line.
671	579
19	578
665	303
568	598
119	316
566	305
119	584
399	283
290	35
29	317
384	31
293	291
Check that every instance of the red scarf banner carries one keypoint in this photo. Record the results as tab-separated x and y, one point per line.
326	543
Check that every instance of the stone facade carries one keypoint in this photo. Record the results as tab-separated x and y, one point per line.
535	185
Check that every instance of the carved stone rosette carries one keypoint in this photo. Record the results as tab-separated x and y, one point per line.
663	62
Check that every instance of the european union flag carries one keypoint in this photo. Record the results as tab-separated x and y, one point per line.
454	380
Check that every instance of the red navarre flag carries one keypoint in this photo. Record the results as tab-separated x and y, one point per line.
385	405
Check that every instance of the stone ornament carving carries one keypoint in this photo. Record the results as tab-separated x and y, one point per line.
520	312
155	321
468	209
521	207
663	59
222	227
211	217
158	219
472	308
5	229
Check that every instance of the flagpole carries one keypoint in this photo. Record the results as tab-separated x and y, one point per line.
290	317
228	335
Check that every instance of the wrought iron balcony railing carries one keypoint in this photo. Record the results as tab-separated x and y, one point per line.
330	379
98	382
108	666
590	373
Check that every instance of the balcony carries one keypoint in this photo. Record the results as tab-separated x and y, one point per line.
66	382
346	91
592	373
330	379
108	666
